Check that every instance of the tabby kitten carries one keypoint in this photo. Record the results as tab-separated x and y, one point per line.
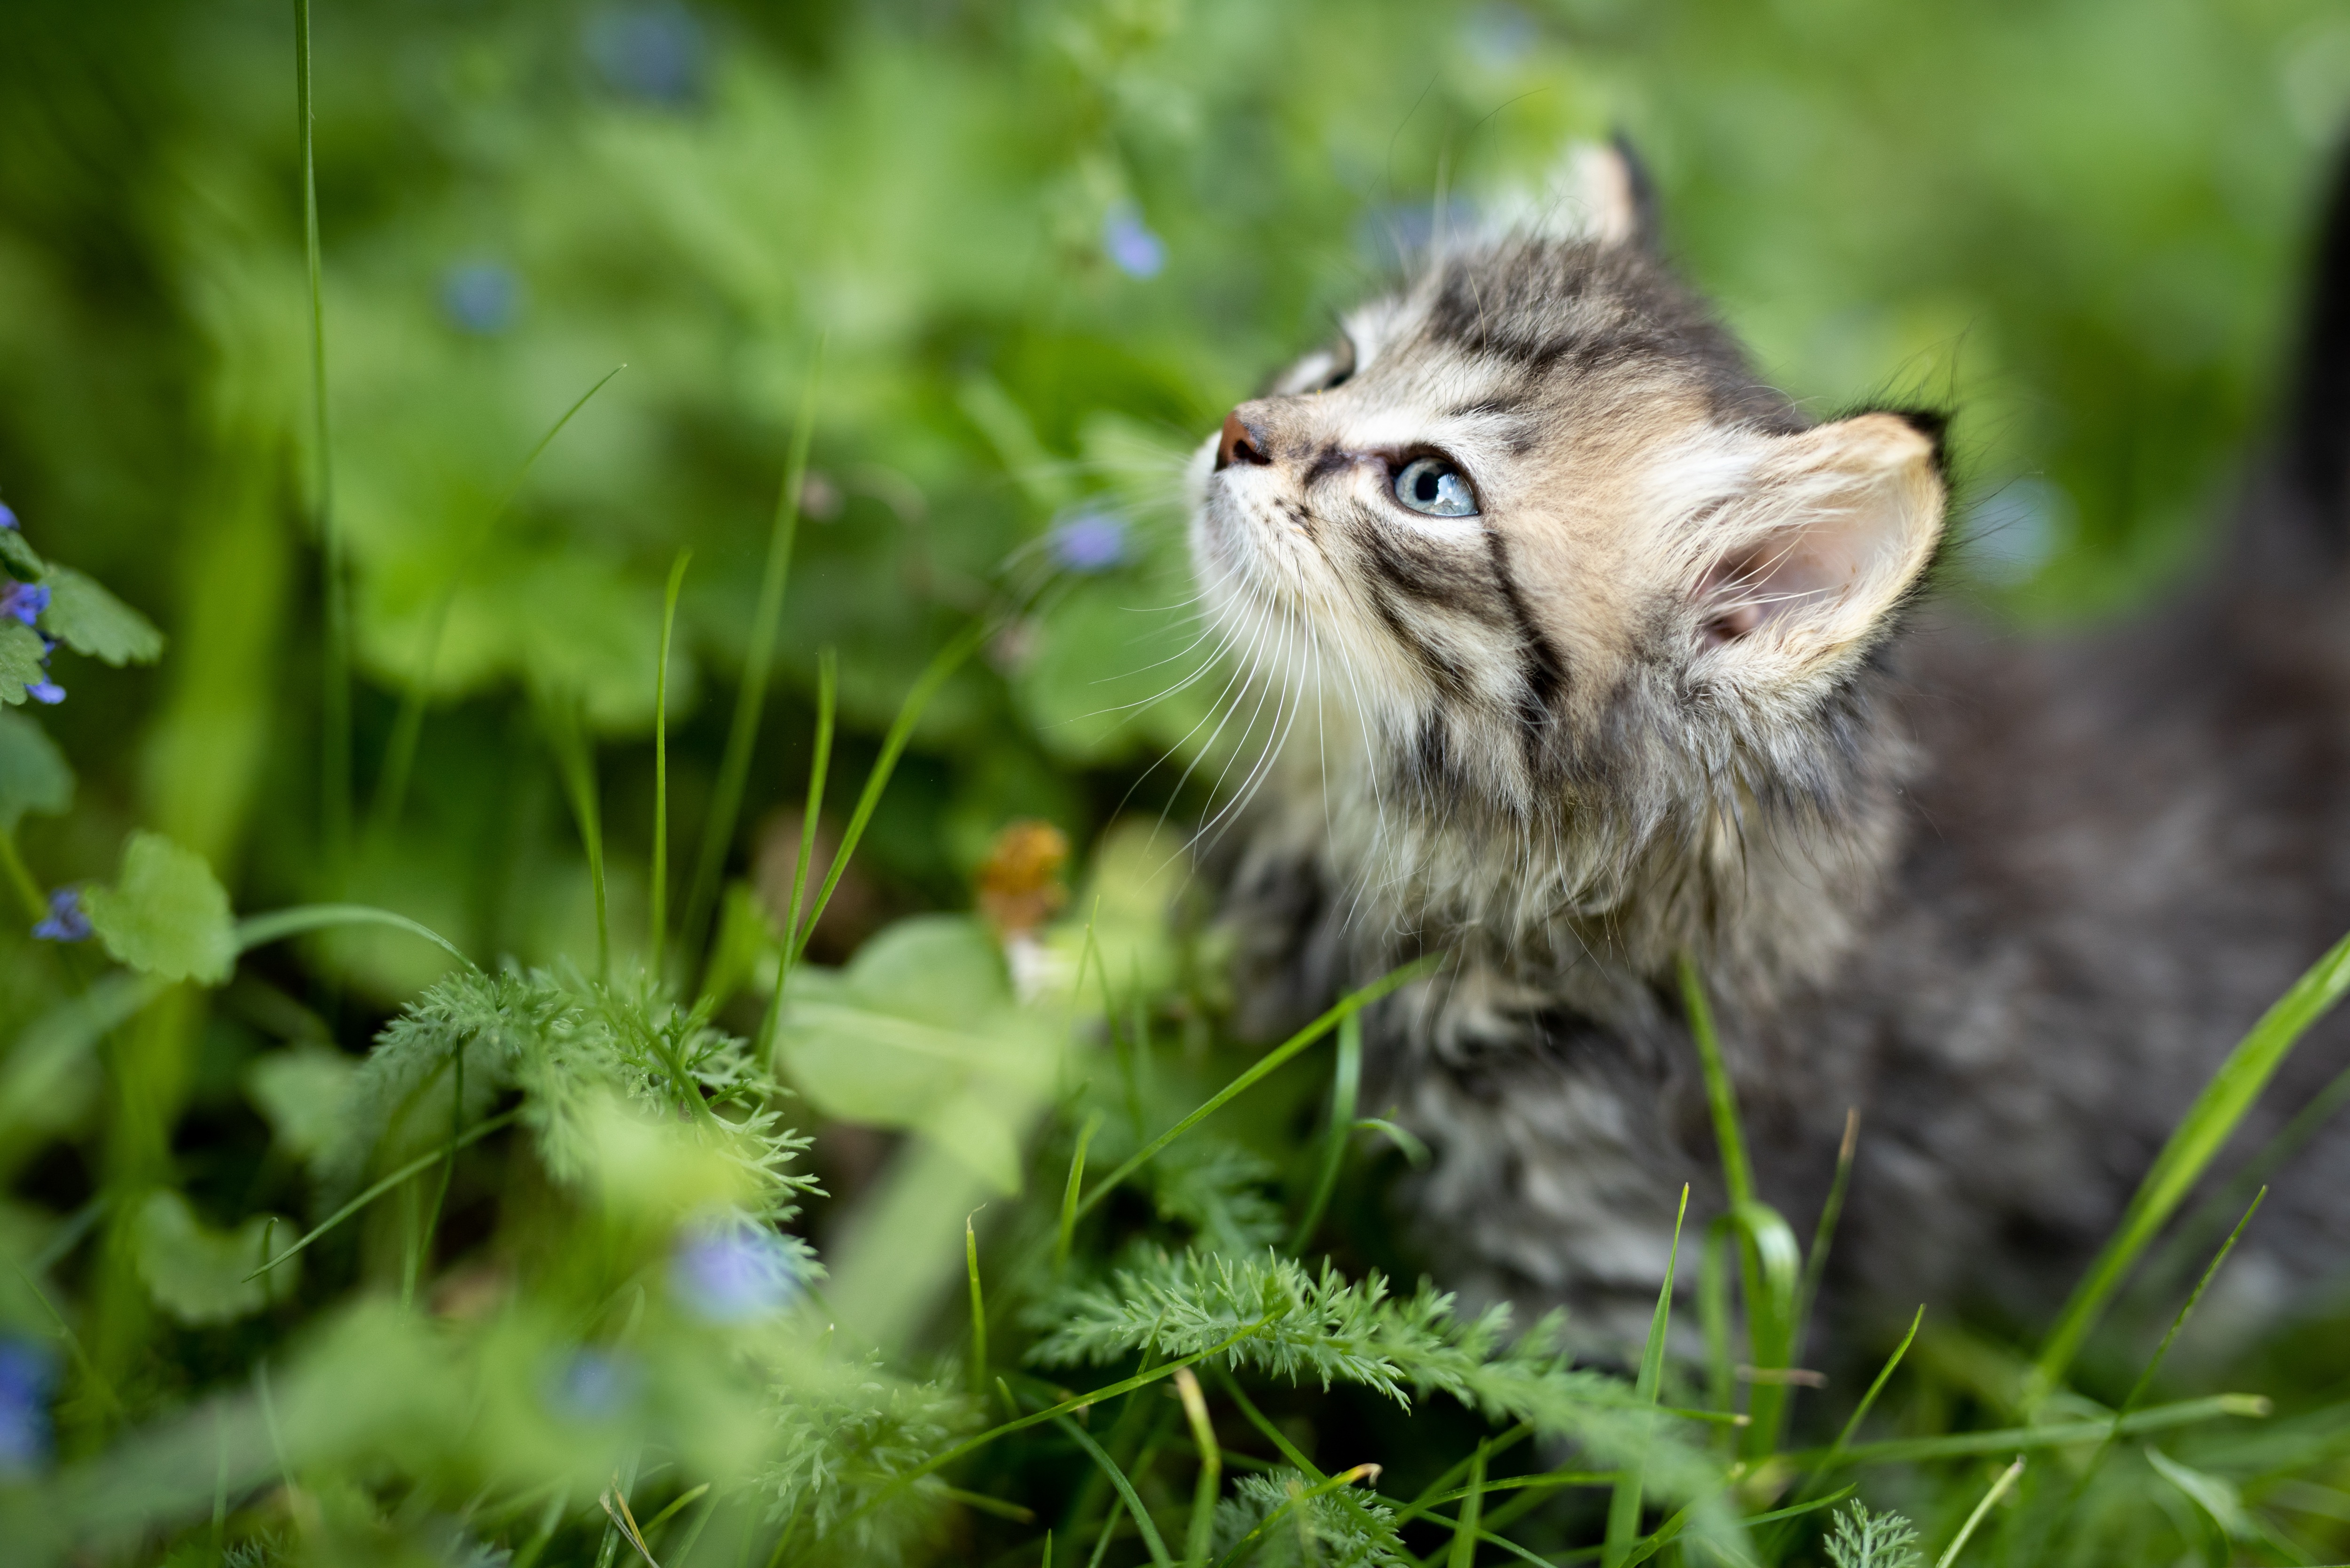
1610	654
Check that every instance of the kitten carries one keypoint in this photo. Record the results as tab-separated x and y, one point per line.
1611	653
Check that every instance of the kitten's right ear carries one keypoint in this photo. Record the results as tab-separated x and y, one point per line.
1804	570
1598	192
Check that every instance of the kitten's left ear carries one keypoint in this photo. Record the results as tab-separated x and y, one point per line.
1600	192
1804	570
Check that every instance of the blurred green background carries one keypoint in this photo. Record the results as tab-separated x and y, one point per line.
1026	253
1046	246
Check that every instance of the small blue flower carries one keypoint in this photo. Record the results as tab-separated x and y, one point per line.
26	1369
592	1384
653	52
481	297
47	692
1130	245
7	518
1088	541
23	601
67	921
734	1270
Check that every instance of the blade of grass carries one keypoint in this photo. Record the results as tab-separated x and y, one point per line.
258	931
1150	1537
827	691
1966	1531
421	1253
893	745
560	713
758	658
2196	1234
828	682
1624	1504
2154	1363
1837	1449
1353	1003
408	728
1766	1247
2198	1138
1346	1087
1463	1553
1067	1231
978	1313
335	666
659	891
1713	1315
20	876
1816	1261
421	1162
1212	1469
972	1445
2065	1435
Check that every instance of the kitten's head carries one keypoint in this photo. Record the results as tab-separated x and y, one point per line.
1554	543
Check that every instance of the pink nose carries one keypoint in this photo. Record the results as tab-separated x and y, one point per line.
1240	443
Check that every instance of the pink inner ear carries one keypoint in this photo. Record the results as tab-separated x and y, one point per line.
1746	590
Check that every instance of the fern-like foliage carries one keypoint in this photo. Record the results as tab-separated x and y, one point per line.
1217	1188
563	1042
1864	1540
846	1431
1302	1528
1272	1317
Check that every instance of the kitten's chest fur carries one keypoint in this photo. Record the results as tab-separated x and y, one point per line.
2066	881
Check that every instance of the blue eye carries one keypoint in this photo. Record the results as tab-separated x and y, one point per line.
1433	485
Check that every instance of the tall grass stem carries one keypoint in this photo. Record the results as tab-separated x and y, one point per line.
1624	1504
758	661
407	725
1346	1088
658	893
335	666
1264	1066
2193	1144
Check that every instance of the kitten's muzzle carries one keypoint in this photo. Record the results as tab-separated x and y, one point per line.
1240	443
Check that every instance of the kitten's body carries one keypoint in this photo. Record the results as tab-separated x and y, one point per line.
2014	902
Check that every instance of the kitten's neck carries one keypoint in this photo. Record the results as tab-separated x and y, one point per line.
1580	899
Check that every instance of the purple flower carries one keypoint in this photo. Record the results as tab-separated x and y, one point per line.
1088	541
592	1384
7	518
24	1374
481	297
1130	245
47	691
734	1270
23	601
68	922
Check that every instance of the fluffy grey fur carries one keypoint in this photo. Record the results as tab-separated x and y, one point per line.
1670	689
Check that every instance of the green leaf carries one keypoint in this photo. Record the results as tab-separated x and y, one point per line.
921	1031
2215	1495
197	1273
21	651
302	1094
20	557
87	619
33	772
168	915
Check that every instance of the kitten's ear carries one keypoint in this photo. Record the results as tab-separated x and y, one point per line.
1837	527
1598	192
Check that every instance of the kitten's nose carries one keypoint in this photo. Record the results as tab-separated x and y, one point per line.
1242	442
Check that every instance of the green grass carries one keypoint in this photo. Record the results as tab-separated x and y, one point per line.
487	1181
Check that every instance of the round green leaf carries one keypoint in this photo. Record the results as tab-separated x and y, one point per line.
168	916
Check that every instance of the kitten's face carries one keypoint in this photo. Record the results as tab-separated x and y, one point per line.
1536	498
